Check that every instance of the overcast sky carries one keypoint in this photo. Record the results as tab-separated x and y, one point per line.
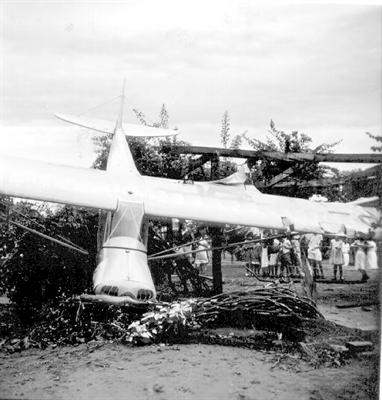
311	68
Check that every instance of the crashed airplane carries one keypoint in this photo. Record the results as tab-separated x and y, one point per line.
122	271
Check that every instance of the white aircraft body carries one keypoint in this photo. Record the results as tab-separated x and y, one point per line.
129	197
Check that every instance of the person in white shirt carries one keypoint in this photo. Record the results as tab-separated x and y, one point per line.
336	256
201	257
346	251
285	257
315	255
273	256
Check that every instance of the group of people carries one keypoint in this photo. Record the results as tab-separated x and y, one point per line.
195	251
280	256
272	257
340	248
365	255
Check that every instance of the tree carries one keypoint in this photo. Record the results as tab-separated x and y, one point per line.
358	184
378	139
265	169
152	156
163	115
225	129
366	183
35	271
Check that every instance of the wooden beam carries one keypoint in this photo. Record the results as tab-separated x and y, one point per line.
194	164
370	173
332	157
374	158
314	183
280	177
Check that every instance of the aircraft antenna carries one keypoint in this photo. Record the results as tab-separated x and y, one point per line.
106	102
119	121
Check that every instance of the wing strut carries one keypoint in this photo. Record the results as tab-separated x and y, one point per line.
45	236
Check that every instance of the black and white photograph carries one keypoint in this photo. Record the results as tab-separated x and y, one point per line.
190	200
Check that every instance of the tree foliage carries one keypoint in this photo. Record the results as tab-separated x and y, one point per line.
360	184
35	271
378	139
264	169
152	156
225	129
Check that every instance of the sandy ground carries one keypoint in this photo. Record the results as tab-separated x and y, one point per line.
197	371
173	372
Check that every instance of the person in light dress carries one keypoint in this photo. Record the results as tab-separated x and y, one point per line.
346	251
336	256
366	255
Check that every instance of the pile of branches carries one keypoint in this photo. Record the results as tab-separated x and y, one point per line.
257	307
274	309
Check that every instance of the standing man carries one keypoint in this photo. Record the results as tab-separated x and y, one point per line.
315	255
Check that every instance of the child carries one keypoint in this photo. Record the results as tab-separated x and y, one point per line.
256	258
273	255
336	256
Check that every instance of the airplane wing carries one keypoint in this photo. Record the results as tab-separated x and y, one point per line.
245	205
227	201
101	125
56	183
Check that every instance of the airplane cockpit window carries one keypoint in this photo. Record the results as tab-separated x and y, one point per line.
127	221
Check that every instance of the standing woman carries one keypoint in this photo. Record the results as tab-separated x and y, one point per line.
345	251
360	257
371	254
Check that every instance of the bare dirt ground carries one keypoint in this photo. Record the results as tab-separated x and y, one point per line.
199	371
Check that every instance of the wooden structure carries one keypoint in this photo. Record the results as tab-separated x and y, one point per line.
297	160
192	282
293	157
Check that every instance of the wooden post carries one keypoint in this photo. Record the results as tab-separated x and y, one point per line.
217	238
170	234
308	284
379	194
379	185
